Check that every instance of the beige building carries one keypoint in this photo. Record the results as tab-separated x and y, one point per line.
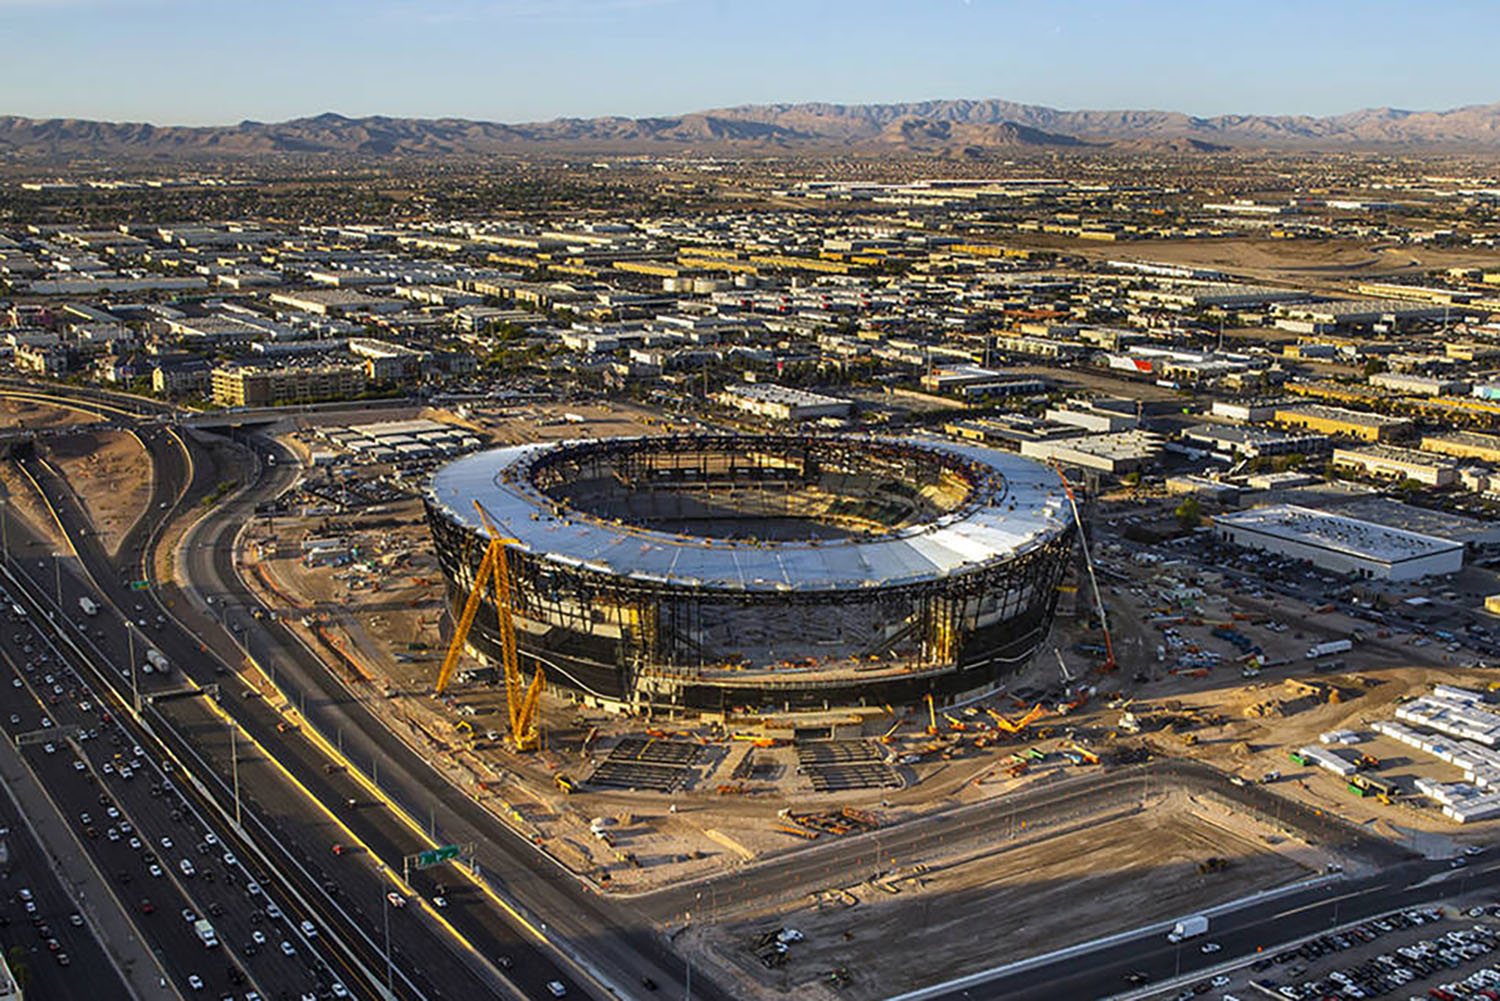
1339	421
1464	445
261	386
1388	462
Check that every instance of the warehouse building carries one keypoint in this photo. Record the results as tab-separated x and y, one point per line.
1122	452
1252	411
1420	385
1251	443
782	403
1339	421
1339	544
1464	445
1389	462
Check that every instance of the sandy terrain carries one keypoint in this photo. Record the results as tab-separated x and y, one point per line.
1029	899
110	474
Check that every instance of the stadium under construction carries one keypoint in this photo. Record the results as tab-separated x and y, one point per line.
753	573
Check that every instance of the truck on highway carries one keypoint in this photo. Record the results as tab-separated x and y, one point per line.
1329	648
1188	928
87	606
206	933
154	660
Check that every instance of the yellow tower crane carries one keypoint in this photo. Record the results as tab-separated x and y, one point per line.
494	573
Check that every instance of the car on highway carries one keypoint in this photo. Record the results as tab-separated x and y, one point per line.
556	988
195	982
395	899
308	929
287	948
154	869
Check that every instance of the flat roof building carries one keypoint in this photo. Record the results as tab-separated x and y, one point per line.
1339	421
1121	452
783	403
1339	544
264	386
1253	442
1389	462
1464	445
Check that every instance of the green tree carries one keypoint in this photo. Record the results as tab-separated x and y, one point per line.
1190	513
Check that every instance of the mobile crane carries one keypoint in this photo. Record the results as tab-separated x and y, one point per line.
494	574
1109	663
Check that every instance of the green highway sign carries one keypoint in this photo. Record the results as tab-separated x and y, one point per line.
139	585
436	856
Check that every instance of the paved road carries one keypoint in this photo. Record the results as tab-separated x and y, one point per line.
612	936
1101	972
361	887
79	970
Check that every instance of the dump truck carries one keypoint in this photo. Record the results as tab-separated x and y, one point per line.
1188	928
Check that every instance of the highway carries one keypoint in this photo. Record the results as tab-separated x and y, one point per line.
360	915
78	970
612	936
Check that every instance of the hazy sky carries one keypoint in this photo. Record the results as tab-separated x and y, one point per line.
219	61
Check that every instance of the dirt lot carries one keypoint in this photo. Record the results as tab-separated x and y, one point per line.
110	474
1028	899
21	414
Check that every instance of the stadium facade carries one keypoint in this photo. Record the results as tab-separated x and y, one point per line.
753	573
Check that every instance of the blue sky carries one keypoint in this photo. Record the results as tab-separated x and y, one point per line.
220	61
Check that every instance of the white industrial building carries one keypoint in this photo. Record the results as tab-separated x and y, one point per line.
1420	385
783	403
1342	545
1122	452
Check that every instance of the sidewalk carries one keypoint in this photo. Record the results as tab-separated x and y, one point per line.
135	960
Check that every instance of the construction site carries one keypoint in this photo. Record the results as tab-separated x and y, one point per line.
1143	666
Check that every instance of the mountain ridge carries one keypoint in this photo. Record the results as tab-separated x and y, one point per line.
934	127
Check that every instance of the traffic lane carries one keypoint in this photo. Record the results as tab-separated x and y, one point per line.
621	935
119	833
88	974
626	942
76	797
190	717
180	814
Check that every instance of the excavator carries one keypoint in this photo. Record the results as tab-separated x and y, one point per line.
494	573
1109	663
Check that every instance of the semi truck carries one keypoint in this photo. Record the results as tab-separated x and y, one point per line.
1329	648
1188	928
206	933
87	606
154	660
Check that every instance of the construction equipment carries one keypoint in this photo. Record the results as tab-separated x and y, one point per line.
1016	726
889	735
494	573
1083	752
932	727
1109	663
1067	676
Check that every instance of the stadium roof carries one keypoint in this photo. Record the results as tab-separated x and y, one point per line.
1021	507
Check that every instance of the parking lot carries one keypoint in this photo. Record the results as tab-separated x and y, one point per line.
1422	954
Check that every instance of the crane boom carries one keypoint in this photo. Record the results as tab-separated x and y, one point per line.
1088	562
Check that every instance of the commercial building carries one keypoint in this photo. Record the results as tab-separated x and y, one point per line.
1254	411
1339	544
783	403
1421	385
1464	445
1252	443
264	386
335	301
1389	462
1121	452
1339	421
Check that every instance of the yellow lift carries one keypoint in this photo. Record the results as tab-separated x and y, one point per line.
494	572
